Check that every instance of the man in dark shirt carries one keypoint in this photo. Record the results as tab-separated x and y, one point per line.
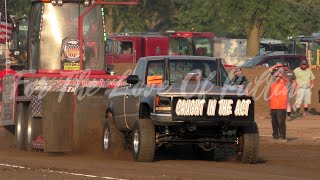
239	79
291	84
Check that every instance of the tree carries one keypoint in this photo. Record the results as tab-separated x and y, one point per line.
18	7
276	19
147	16
201	15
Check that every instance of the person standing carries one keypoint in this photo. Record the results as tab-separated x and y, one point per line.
278	96
305	82
291	85
7	70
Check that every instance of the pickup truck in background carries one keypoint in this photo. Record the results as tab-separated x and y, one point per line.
176	100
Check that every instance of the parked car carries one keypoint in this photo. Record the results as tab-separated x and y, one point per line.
268	61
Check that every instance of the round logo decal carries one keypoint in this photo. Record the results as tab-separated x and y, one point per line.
70	50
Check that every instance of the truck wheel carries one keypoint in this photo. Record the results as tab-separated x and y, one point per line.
21	126
249	144
34	129
143	140
112	138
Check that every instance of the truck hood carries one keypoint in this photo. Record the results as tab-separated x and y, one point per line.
192	88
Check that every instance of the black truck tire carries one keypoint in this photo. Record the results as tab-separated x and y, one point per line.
21	126
143	140
112	138
249	144
34	129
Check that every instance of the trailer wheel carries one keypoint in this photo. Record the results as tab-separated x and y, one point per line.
34	129
143	140
112	138
248	146
21	126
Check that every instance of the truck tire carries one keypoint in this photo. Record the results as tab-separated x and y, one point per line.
34	129
143	140
249	144
21	126
112	138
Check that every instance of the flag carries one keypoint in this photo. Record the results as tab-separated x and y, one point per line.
6	26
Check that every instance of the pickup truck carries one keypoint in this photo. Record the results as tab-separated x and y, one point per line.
173	100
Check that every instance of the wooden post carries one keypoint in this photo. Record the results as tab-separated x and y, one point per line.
309	56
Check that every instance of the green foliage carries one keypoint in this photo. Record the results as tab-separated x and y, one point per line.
18	7
279	18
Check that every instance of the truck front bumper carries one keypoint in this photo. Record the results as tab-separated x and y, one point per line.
167	120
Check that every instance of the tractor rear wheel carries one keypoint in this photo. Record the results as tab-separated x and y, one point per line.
34	129
21	126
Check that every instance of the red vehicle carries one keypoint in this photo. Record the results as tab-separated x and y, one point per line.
44	103
129	48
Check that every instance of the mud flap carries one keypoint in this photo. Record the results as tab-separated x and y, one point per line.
89	115
57	122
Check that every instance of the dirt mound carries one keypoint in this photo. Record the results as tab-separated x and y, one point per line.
259	90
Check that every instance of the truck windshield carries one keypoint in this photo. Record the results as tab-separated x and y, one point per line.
181	46
253	62
194	70
203	47
55	42
195	46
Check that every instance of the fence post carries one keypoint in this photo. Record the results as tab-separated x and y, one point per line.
318	58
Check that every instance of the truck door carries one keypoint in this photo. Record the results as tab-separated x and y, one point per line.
132	96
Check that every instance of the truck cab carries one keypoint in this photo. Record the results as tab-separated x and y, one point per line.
130	48
54	38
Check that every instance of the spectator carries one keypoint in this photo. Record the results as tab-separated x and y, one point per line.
239	79
305	82
7	70
291	85
278	96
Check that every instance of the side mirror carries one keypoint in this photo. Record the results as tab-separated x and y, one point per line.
132	79
265	65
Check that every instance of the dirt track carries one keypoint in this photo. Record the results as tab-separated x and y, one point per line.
299	158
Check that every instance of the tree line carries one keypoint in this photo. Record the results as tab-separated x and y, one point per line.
249	19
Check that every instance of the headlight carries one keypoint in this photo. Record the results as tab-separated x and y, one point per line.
162	104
